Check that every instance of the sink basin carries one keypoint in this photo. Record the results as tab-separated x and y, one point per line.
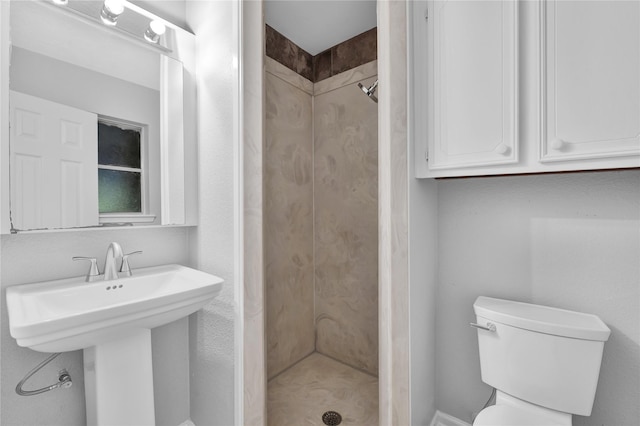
71	314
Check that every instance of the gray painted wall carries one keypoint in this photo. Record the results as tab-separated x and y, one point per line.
43	256
423	247
32	257
570	241
174	11
212	329
210	247
423	274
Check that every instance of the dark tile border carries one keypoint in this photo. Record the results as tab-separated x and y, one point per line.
288	53
342	57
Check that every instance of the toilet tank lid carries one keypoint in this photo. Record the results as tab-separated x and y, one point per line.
542	319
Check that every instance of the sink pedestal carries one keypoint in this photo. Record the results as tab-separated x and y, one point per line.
118	381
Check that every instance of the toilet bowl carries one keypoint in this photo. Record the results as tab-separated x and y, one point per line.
543	362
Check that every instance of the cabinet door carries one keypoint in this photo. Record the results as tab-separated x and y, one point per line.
475	105
591	79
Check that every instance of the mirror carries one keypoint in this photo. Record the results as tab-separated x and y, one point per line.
101	116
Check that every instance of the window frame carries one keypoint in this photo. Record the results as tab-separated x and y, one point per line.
145	215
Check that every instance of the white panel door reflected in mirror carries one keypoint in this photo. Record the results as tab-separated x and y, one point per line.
53	157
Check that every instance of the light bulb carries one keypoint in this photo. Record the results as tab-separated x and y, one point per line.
154	31
60	2
111	9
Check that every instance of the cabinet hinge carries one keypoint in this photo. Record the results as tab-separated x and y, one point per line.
426	156
426	15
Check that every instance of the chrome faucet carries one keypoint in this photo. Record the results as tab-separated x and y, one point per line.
110	272
113	252
94	272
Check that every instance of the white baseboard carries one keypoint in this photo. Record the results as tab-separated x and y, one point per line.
444	419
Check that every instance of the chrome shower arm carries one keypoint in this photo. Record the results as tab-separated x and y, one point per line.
369	91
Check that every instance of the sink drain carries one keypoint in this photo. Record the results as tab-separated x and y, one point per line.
331	418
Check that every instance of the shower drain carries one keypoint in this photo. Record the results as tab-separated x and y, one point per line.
331	418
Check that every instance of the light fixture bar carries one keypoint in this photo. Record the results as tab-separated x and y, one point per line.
94	17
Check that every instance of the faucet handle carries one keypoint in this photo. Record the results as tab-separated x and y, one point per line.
94	272
125	269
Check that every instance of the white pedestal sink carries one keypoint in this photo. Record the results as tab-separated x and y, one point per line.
111	321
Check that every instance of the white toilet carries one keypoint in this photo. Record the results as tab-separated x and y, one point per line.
544	362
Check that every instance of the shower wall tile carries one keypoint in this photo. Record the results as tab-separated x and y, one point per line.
346	225
351	77
342	57
288	231
322	65
354	52
276	69
288	53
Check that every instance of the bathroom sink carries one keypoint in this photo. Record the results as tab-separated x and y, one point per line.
71	314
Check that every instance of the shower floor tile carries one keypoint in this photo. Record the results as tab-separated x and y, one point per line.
300	395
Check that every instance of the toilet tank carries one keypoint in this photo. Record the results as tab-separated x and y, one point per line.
547	356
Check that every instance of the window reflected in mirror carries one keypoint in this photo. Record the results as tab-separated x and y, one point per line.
120	173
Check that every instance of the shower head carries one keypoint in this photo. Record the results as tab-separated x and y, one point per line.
369	91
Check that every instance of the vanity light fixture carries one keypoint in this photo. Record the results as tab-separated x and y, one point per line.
60	2
154	31
111	9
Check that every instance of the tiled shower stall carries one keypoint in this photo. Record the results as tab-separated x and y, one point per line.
321	225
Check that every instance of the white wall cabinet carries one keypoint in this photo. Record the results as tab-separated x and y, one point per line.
591	59
475	84
524	87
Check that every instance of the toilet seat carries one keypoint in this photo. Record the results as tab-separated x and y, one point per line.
506	415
